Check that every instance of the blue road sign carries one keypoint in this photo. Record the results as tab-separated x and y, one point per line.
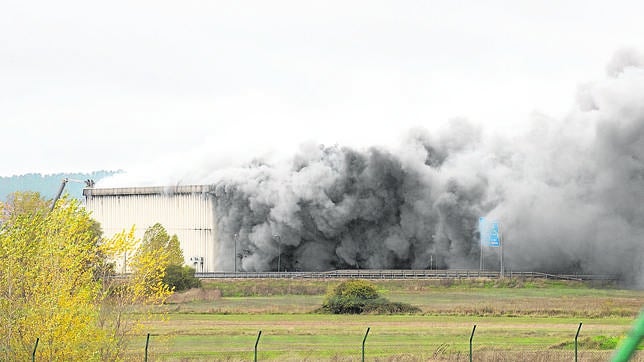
493	238
482	229
489	233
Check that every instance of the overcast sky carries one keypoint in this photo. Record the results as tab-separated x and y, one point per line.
118	84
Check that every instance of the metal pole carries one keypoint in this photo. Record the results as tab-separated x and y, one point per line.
577	335
147	343
60	192
33	355
279	251
363	341
481	255
481	235
257	341
472	336
279	255
235	256
501	245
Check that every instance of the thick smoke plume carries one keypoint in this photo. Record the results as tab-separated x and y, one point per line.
335	207
569	195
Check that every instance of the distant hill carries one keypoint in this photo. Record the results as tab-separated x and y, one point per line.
48	185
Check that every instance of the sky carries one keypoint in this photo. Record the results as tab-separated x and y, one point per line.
126	85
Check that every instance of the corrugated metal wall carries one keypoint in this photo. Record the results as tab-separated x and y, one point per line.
188	215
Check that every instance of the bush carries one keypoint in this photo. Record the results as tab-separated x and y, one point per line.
360	296
181	278
383	306
360	289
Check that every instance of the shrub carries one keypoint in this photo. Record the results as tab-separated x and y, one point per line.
360	296
360	289
181	278
383	306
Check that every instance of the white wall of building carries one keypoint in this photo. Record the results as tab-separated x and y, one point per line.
186	211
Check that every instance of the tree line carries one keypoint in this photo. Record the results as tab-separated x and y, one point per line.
47	185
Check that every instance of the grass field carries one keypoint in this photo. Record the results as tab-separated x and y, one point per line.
516	320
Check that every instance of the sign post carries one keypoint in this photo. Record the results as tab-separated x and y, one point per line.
501	244
482	238
490	237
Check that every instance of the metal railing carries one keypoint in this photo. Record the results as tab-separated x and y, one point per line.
401	274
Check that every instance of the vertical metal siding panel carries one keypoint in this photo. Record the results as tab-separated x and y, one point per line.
203	198
212	240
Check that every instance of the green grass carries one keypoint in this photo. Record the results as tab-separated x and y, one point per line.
325	336
515	321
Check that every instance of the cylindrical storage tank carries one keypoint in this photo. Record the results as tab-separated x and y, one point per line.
186	211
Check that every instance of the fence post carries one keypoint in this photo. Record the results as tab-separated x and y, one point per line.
33	355
257	341
147	342
363	341
577	335
472	336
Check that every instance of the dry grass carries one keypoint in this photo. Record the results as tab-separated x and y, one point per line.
470	297
195	295
266	287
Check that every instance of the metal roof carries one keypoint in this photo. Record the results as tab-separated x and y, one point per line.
150	190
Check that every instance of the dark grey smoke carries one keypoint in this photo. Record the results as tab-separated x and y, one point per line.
569	195
339	208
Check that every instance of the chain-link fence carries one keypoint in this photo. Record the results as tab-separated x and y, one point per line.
370	346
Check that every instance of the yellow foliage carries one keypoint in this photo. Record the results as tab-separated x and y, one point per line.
147	280
48	290
56	284
118	245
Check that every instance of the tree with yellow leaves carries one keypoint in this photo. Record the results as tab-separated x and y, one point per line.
48	288
57	284
160	255
121	295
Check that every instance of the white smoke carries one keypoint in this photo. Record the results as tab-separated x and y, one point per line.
569	194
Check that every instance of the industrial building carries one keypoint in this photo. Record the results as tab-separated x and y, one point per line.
187	211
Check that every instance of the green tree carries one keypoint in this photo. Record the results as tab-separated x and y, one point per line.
163	252
181	277
157	238
176	254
